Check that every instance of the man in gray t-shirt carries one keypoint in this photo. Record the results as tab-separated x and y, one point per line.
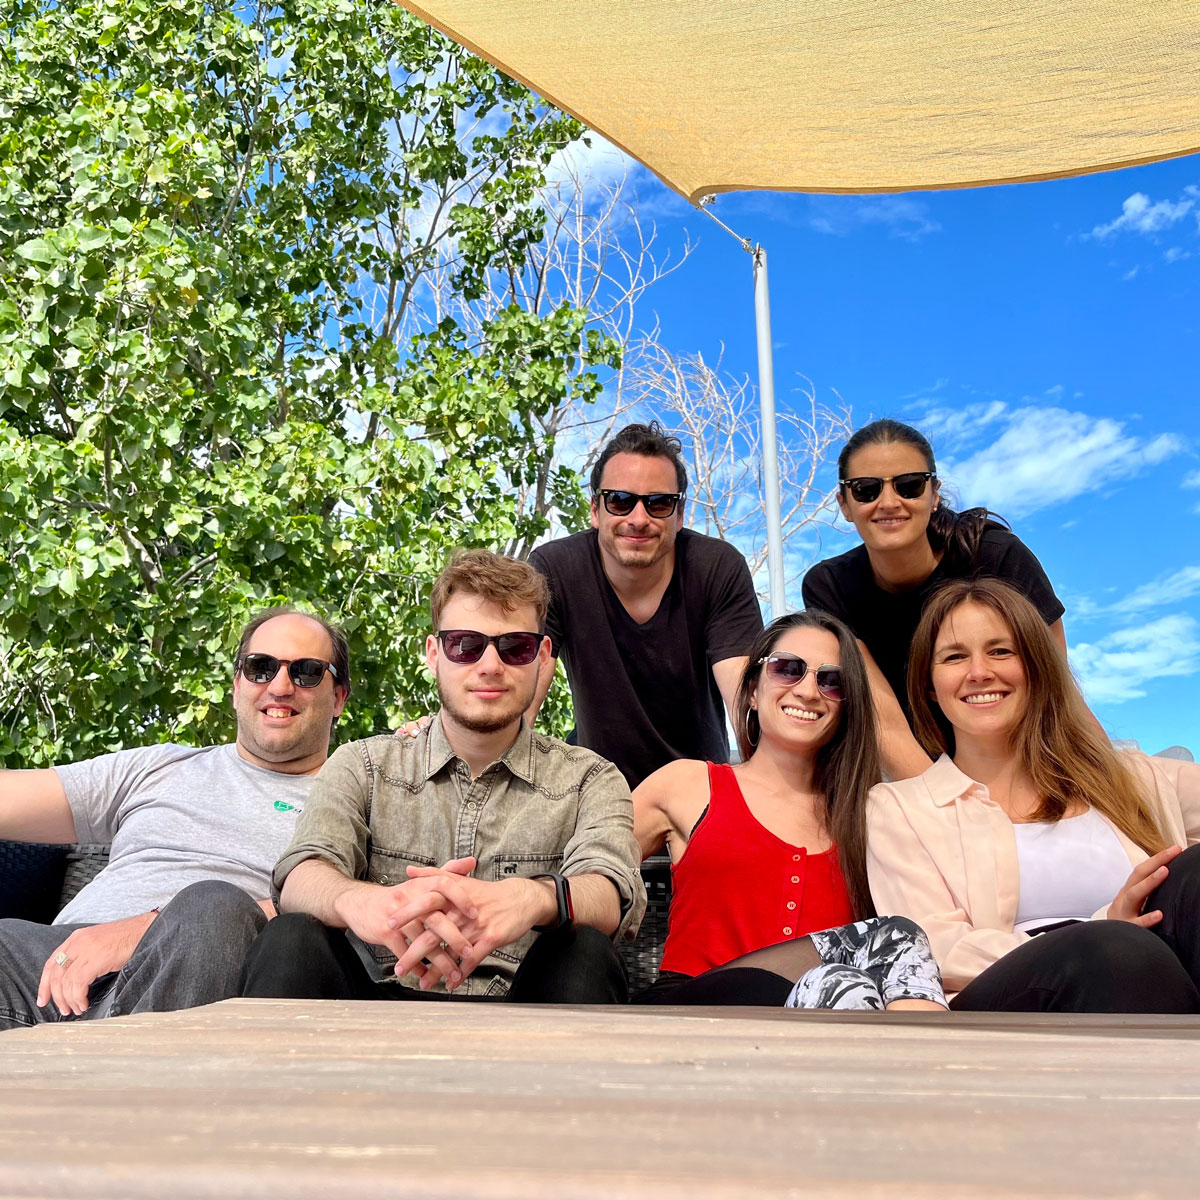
194	835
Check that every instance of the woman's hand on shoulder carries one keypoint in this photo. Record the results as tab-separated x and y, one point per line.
1143	879
668	803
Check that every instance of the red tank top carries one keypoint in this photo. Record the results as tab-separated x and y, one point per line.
738	887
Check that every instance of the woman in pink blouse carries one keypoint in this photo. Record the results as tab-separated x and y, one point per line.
1046	867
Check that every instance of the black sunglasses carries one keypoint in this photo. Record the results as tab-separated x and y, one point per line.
789	669
467	646
910	485
657	504
303	672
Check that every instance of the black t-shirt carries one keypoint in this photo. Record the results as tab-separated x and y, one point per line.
886	621
645	695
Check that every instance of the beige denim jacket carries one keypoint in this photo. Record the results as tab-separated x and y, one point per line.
940	851
385	803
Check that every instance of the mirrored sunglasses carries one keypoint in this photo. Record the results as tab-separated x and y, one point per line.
790	670
868	488
657	504
303	672
467	646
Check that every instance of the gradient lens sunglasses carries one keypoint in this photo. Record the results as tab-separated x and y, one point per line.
303	672
788	669
867	488
466	646
656	504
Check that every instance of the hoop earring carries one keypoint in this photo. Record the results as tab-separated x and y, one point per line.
754	728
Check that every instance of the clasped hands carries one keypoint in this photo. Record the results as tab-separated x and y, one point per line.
442	923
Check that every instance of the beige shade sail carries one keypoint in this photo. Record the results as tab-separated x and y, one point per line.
855	95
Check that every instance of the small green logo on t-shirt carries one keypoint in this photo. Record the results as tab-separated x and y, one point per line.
283	806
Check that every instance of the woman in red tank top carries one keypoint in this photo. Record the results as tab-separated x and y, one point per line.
769	856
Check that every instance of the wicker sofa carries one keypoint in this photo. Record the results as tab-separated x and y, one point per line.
37	880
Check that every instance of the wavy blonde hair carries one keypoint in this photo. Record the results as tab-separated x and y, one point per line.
1059	746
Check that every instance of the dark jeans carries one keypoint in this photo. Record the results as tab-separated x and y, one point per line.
191	954
297	956
1106	966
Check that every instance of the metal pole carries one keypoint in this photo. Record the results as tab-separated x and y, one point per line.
766	393
770	449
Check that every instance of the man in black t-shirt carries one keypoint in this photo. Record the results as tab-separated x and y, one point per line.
652	621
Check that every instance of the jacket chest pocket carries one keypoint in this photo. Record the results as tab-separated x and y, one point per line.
524	866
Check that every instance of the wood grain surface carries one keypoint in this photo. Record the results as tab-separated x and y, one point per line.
256	1098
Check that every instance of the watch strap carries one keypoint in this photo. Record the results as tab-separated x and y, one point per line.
562	894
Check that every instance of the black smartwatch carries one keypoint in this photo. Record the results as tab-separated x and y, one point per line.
562	893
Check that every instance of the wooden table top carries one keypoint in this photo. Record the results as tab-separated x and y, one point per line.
264	1098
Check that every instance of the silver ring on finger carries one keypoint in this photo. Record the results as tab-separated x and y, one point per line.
62	959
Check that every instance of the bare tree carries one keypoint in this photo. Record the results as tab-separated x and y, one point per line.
716	416
600	254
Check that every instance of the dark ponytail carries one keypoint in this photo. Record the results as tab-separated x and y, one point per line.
955	536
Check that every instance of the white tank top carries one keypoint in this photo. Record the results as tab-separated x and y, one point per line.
1068	870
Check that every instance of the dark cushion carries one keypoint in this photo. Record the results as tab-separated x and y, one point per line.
31	878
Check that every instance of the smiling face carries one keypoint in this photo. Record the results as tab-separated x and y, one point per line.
798	716
281	726
637	540
888	523
489	695
979	681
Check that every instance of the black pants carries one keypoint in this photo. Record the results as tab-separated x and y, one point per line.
733	985
298	957
1106	966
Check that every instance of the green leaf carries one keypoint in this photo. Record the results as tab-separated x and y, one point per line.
39	250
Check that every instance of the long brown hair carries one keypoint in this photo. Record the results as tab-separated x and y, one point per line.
1066	757
847	765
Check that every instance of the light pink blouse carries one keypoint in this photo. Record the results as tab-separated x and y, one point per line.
942	852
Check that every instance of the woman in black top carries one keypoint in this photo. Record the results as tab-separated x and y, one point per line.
888	488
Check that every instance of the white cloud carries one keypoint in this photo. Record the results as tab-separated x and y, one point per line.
950	429
598	164
1117	666
1167	589
902	216
1192	479
1175	254
1139	215
1037	457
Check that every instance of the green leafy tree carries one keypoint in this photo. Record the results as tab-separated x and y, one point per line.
201	409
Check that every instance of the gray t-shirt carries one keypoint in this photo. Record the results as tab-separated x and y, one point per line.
176	815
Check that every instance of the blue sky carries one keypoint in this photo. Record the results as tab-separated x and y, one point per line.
1045	336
